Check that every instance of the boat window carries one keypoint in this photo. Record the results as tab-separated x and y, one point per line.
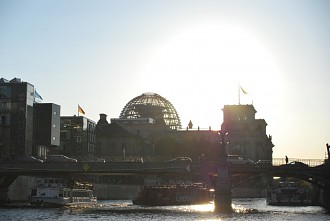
81	194
33	192
60	194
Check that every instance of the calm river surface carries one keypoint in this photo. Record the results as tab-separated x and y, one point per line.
244	210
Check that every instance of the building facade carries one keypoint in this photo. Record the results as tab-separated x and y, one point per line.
77	137
142	137
116	142
16	118
246	135
46	128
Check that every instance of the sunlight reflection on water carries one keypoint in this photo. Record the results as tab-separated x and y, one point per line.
243	210
202	208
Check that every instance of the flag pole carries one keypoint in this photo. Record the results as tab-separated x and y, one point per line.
239	94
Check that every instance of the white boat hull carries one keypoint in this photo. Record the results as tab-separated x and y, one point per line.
53	192
51	201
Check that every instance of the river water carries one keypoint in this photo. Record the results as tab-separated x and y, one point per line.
244	210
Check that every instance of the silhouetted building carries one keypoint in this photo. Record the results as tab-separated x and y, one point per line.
16	113
246	135
117	143
77	137
46	133
136	133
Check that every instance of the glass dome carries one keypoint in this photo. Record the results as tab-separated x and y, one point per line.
152	105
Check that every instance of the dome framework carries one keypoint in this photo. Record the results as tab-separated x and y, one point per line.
152	105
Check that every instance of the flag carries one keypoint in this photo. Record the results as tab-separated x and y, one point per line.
244	92
80	110
36	95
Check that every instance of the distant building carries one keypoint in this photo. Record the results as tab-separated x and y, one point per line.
16	118
137	134
134	134
125	139
46	133
77	137
246	135
118	143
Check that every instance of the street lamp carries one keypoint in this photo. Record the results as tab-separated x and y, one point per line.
222	151
223	200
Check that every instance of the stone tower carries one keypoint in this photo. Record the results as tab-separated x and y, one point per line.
246	135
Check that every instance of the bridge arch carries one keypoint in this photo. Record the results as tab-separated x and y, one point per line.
314	179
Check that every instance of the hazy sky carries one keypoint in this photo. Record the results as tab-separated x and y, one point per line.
102	54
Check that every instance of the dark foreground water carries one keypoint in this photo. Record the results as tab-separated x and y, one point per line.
244	210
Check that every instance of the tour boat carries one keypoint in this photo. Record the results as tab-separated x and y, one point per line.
288	194
60	192
180	194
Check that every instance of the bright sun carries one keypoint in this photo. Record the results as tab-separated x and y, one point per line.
212	58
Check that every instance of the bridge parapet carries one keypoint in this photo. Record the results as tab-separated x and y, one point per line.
309	162
91	168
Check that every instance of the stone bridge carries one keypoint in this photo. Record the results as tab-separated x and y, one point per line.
221	174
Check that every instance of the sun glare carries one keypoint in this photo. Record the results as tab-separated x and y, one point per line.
211	59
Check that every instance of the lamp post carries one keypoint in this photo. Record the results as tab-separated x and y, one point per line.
223	200
222	150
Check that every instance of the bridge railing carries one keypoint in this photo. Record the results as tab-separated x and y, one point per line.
309	162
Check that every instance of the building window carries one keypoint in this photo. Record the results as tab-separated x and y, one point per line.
21	112
54	125
78	139
237	149
90	148
258	128
21	125
5	106
54	138
20	139
55	113
3	120
77	129
67	123
2	92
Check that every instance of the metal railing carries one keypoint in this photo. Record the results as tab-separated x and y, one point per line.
276	161
309	162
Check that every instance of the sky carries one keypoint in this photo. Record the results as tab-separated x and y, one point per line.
101	54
